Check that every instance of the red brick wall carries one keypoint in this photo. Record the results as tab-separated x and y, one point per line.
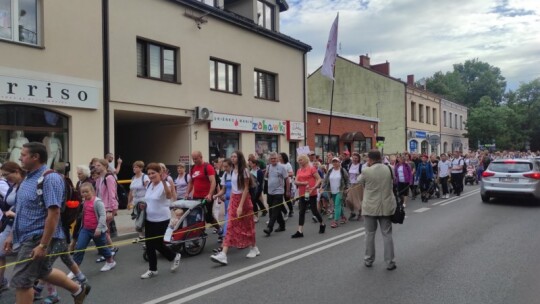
340	126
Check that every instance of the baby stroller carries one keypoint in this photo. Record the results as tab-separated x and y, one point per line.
189	232
434	189
470	176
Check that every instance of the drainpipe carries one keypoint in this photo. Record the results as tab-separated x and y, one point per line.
106	74
305	98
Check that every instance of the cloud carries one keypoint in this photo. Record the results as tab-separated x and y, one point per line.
423	37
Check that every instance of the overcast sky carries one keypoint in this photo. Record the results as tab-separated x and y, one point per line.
422	37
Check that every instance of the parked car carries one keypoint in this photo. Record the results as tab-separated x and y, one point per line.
511	178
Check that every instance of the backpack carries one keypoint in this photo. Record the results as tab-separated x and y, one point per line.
71	206
121	192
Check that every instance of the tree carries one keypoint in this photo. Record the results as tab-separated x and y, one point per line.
526	102
468	82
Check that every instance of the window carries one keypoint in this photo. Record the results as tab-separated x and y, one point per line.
21	27
421	113
209	2
428	113
266	143
223	76
413	111
461	122
435	117
450	118
265	15
156	61
265	85
455	121
321	143
223	144
22	124
444	118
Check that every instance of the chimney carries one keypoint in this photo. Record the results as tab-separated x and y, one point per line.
410	80
383	68
364	61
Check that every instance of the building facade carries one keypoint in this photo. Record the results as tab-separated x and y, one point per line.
364	90
348	132
51	79
423	126
453	121
163	78
220	78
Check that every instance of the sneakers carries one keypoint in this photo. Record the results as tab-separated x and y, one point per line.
352	217
103	259
149	274
253	252
267	231
322	228
85	290
298	234
176	262
108	266
280	229
71	275
220	258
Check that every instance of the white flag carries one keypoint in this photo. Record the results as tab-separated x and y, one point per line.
331	51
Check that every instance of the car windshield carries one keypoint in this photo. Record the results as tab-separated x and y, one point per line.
510	167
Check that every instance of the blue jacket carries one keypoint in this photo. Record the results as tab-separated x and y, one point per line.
424	166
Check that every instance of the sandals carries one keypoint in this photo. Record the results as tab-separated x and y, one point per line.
334	224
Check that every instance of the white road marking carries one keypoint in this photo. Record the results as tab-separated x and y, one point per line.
421	210
248	268
262	270
455	198
460	197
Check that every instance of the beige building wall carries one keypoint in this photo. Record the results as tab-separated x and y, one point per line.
423	110
217	39
452	129
69	53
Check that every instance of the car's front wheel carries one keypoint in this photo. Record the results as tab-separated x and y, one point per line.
485	198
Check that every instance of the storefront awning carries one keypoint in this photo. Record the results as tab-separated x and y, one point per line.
352	136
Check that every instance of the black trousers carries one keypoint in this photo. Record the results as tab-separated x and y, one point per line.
208	214
312	202
154	232
275	202
457	182
444	183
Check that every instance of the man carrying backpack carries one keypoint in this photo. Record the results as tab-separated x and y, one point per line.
203	185
37	228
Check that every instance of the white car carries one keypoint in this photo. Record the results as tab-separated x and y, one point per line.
511	178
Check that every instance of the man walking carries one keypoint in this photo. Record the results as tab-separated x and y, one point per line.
37	228
378	204
203	185
278	186
457	173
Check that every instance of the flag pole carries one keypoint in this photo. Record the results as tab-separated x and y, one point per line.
331	111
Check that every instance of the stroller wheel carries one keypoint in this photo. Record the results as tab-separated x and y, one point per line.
195	245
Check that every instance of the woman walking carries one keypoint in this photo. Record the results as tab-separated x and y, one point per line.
240	228
137	190
224	194
354	195
307	181
336	182
157	198
424	175
403	178
181	182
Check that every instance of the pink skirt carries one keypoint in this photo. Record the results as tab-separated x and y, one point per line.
240	231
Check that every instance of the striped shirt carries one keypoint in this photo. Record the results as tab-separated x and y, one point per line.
31	213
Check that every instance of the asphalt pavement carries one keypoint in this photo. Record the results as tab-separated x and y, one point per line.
457	250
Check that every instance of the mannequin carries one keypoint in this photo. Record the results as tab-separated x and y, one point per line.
15	146
54	149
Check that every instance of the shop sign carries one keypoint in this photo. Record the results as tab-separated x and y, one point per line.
231	122
413	145
263	125
30	91
420	134
183	159
295	130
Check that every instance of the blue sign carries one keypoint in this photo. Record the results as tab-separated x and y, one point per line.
420	134
413	145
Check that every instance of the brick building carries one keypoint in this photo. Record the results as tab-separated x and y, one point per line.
349	132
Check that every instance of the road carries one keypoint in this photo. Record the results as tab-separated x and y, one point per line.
458	250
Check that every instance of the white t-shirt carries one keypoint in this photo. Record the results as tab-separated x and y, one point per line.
335	180
444	168
157	204
354	172
137	187
234	182
457	162
181	185
288	166
401	174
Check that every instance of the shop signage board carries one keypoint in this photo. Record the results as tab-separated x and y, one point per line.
30	91
420	134
263	125
413	145
232	122
295	130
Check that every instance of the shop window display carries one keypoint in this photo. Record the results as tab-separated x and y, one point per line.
264	144
22	124
223	144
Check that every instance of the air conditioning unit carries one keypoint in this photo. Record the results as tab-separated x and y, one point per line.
203	114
